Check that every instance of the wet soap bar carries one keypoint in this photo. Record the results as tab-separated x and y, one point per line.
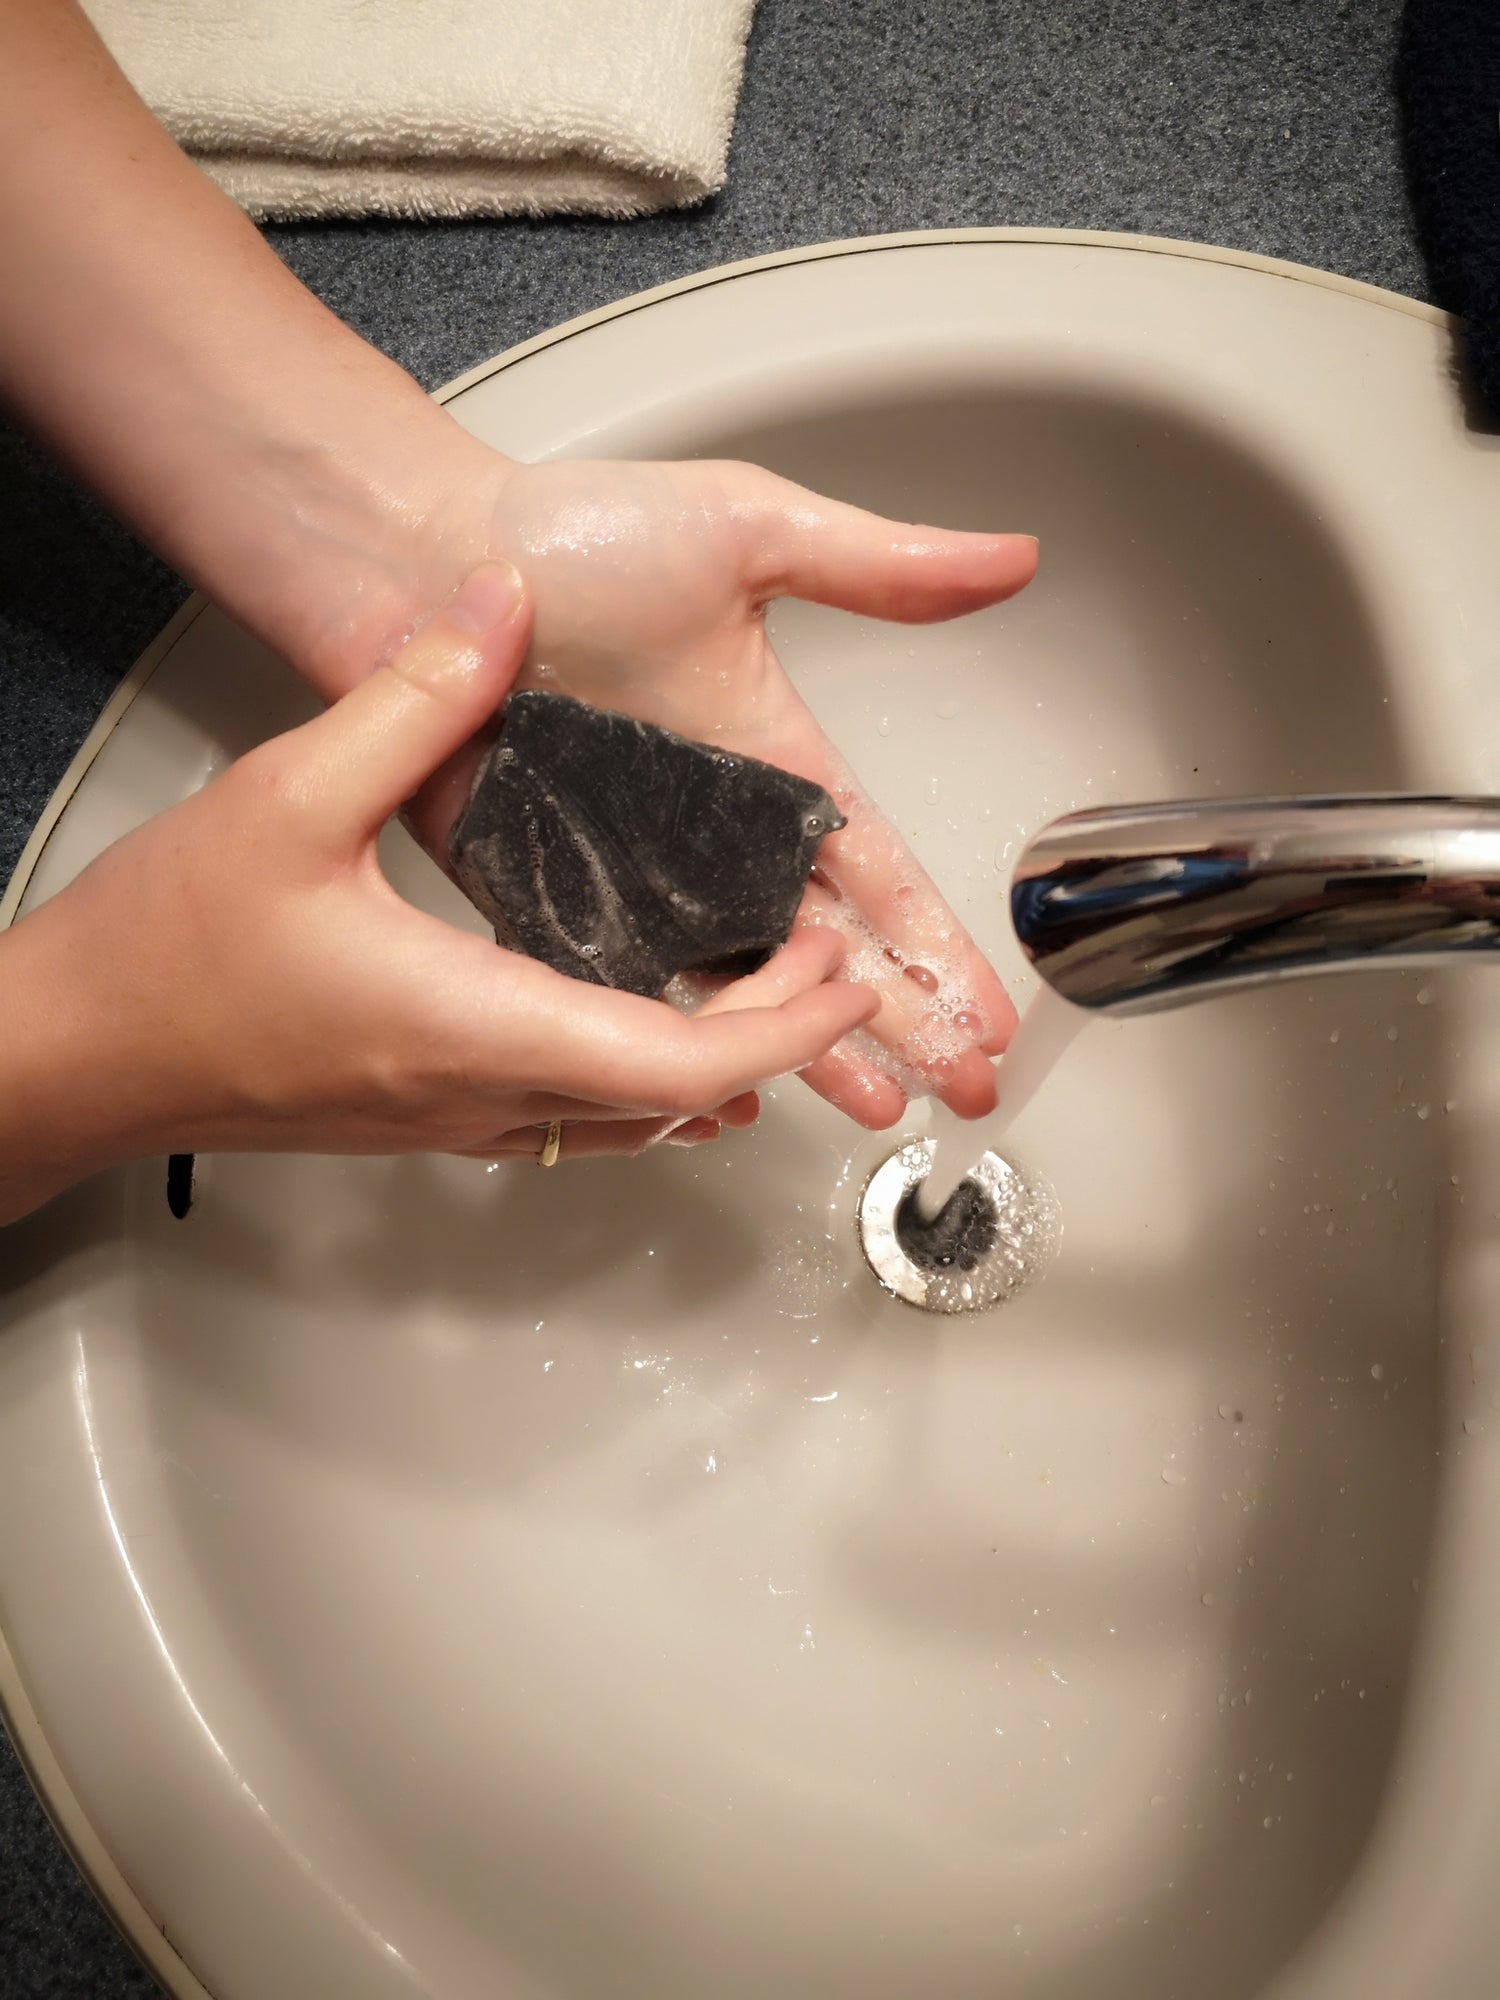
622	854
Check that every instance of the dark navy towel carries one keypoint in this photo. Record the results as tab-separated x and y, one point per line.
1448	76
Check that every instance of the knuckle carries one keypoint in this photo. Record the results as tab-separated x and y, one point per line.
435	668
431	1087
269	783
684	1093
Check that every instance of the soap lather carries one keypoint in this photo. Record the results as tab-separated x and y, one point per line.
620	853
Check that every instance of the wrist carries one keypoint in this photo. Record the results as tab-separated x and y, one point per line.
345	513
66	1106
344	534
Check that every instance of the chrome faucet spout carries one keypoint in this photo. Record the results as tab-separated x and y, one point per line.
1143	908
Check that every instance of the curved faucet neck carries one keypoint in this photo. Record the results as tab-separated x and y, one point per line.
1141	908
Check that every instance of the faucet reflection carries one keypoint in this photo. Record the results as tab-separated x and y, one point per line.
1142	908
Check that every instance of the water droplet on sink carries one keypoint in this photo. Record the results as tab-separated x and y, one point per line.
1377	1371
806	1277
884	725
947	710
1172	1476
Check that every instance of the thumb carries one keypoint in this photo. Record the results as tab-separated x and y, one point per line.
377	745
831	553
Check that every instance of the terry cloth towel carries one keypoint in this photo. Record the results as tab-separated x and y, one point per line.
441	108
1449	79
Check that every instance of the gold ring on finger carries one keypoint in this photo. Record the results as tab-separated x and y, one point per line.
551	1145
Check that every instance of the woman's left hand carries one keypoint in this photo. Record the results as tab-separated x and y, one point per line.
651	583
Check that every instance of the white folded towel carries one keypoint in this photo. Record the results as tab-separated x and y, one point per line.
441	108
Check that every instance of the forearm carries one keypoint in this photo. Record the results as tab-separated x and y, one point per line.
71	1099
151	337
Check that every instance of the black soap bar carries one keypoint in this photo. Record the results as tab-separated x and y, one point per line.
623	854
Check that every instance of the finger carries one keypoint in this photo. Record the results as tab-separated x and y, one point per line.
875	889
619	1049
542	1106
901	938
732	1052
621	1139
920	1043
803	545
931	1036
872	1080
374	748
851	1082
510	1027
807	959
849	1077
855	1082
933	1043
739	1112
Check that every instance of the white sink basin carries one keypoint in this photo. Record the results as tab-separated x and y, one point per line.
425	1578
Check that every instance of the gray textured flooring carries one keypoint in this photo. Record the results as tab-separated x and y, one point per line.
1269	125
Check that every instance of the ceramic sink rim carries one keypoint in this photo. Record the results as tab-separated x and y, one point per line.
78	1834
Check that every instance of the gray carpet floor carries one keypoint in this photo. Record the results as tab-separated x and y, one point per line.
1268	125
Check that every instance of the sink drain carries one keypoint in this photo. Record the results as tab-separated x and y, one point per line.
995	1236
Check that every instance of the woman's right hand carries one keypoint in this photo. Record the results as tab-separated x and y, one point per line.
237	975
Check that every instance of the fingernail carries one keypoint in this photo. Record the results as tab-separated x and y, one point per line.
489	597
694	1132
